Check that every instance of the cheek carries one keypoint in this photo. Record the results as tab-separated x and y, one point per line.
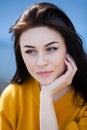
60	64
26	60
59	59
30	65
62	61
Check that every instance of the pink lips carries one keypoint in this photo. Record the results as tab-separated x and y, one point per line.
45	73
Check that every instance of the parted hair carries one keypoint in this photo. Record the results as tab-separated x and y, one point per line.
48	14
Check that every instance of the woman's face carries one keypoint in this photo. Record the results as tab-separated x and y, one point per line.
44	51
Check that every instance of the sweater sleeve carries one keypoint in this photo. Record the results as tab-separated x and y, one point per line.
7	110
81	124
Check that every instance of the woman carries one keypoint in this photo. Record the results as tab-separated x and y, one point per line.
49	88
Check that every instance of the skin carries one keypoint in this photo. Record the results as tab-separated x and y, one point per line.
63	82
45	56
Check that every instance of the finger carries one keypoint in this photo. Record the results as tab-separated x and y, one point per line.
71	70
71	61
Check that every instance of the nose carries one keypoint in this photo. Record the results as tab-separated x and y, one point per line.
41	60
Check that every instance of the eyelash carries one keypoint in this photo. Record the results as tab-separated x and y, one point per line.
50	49
30	51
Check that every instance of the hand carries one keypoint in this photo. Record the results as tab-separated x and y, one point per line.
65	79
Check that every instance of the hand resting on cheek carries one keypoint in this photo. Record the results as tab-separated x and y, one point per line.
47	112
65	79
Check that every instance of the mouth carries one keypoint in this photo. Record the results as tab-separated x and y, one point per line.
44	73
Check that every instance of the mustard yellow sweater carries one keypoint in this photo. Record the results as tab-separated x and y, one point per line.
19	109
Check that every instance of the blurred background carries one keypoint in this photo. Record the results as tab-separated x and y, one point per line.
11	10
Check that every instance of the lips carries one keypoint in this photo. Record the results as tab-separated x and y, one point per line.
44	73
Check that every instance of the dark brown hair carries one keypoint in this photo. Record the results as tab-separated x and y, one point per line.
47	14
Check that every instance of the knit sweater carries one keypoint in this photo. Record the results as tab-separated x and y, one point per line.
20	104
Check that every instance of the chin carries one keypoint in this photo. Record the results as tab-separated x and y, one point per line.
46	83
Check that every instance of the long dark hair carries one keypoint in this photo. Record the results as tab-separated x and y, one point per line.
47	14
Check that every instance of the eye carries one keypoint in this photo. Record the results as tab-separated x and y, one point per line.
32	52
52	49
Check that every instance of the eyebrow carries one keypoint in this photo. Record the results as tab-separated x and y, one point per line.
48	44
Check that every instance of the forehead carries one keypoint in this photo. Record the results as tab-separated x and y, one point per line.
41	35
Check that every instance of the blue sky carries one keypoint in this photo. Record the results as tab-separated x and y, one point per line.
10	10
